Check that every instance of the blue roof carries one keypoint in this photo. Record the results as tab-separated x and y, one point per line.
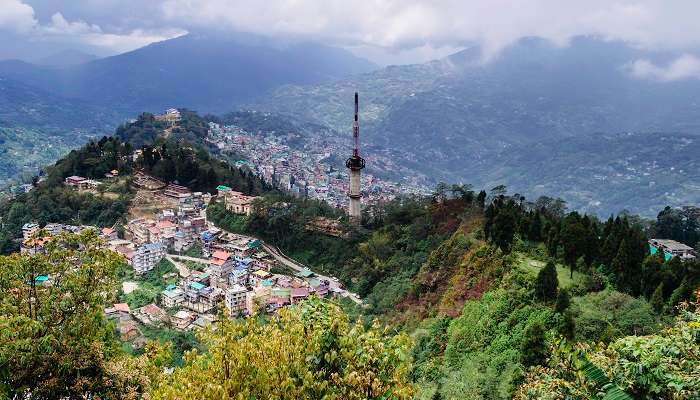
266	283
41	279
152	246
170	287
196	286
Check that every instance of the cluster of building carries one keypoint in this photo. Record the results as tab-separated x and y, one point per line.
147	240
307	171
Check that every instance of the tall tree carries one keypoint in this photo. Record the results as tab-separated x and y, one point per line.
54	339
547	283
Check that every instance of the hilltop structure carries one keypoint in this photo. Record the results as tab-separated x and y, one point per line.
355	164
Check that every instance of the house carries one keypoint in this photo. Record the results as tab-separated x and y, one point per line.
672	248
77	182
128	330
236	300
172	296
118	311
221	264
151	314
28	230
182	242
304	273
238	203
299	294
182	319
146	257
109	234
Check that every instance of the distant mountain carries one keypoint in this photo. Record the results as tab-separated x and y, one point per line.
70	99
202	72
66	58
461	119
37	127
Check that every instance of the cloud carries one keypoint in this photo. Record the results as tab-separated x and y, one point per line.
403	29
684	67
16	16
401	24
19	19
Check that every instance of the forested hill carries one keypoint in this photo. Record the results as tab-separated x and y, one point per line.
506	298
177	154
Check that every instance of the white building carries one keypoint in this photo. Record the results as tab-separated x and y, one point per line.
147	256
172	297
237	299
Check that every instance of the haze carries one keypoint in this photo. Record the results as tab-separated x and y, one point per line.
384	31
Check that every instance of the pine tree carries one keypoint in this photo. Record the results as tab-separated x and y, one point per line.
657	299
563	301
533	349
547	283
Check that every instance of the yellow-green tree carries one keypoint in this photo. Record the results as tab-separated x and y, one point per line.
309	351
54	339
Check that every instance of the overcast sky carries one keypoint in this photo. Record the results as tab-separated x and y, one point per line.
386	31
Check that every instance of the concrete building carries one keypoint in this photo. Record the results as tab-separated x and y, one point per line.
172	297
672	248
238	203
146	257
236	300
28	230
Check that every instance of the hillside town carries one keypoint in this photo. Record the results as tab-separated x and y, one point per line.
215	269
308	172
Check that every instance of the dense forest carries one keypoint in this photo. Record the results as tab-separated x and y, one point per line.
498	293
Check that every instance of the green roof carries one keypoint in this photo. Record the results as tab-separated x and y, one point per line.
281	292
196	286
222	188
254	244
170	287
304	273
41	279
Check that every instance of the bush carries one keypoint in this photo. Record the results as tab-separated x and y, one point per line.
607	315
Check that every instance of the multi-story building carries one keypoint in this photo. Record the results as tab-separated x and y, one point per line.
236	299
146	257
172	297
29	229
221	264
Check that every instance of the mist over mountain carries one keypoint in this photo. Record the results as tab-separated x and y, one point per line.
65	58
204	72
471	119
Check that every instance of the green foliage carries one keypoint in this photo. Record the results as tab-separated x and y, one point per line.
54	339
308	352
533	349
657	299
563	301
607	315
484	345
661	366
547	283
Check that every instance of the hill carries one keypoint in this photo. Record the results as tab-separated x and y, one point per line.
469	117
197	71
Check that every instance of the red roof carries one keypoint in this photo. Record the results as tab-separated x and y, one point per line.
222	255
108	231
218	261
300	292
165	224
122	307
